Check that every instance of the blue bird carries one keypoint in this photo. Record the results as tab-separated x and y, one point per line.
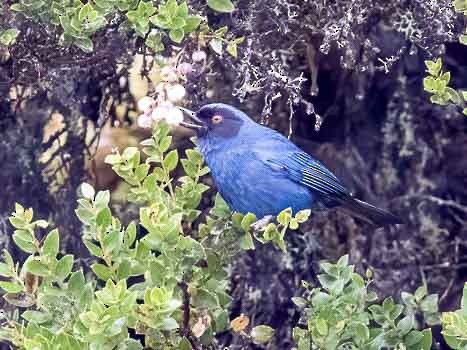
258	170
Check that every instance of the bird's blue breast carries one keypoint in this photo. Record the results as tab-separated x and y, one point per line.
247	181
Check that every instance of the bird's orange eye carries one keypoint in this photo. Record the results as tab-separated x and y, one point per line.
217	119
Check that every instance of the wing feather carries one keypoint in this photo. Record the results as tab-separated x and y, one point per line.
302	168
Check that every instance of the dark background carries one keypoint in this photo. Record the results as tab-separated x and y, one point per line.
379	133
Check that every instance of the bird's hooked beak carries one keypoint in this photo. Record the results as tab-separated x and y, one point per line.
199	126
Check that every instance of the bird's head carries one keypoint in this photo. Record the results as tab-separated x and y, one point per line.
216	120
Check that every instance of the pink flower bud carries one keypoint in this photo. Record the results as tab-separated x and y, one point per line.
185	68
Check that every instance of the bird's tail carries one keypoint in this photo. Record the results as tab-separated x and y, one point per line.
370	213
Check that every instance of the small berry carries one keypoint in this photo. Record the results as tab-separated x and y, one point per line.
185	68
161	111
198	56
175	93
144	121
169	74
174	117
145	103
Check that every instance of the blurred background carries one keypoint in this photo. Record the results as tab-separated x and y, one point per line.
343	79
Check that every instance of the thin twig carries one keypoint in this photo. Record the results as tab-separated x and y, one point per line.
185	331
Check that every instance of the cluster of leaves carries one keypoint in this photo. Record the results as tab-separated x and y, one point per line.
170	16
8	36
344	314
455	325
248	227
80	21
218	41
460	6
437	85
159	277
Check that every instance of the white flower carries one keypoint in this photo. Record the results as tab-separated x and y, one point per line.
145	103
175	117
144	121
161	111
175	93
169	74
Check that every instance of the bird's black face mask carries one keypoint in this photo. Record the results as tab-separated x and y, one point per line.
213	120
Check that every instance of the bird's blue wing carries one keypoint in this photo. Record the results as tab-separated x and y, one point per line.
302	168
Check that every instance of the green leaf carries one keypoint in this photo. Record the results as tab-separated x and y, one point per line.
176	35
464	297
192	23
262	334
427	340
36	316
5	270
130	235
414	337
93	248
85	216
406	324
221	5
246	242
184	344
102	199
171	7
293	225
247	221
160	21
362	332
87	191
169	324
83	13
303	215
37	268
64	267
102	271
112	241
86	296
113	159
216	45
232	49
430	304
51	244
182	10
284	217
104	218
343	261
8	37
76	283
177	23
300	302
8	259
141	171
11	287
84	44
434	68
124	269
322	326
171	160
24	245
